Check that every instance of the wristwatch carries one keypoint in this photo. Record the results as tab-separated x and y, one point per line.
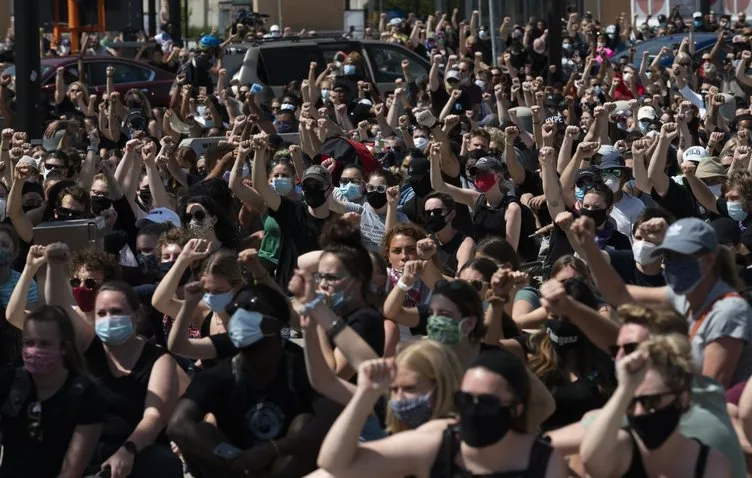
130	447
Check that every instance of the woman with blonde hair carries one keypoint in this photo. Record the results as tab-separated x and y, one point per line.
654	391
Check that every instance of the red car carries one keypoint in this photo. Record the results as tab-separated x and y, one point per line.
153	81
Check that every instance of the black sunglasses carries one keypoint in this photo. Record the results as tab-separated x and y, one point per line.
477	284
628	348
486	404
49	167
650	403
88	283
434	212
198	215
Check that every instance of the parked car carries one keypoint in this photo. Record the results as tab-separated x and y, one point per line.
703	44
276	62
154	82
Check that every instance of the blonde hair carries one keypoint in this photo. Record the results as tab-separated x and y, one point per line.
671	356
439	364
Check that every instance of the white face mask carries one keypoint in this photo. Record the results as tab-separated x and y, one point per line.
613	183
642	250
420	142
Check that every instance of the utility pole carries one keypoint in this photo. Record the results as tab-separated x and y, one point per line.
554	36
28	114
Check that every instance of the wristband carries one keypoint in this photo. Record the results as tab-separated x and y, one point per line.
308	307
130	447
402	286
335	329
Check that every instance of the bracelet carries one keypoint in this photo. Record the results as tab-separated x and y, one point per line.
308	307
276	447
402	286
335	329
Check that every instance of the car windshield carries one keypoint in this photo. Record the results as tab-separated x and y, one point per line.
11	70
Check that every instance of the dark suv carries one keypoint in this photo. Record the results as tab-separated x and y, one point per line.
275	63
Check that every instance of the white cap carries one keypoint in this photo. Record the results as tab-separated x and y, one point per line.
274	28
611	29
160	215
697	15
452	74
646	112
394	22
695	153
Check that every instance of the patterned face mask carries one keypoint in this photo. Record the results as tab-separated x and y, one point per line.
445	330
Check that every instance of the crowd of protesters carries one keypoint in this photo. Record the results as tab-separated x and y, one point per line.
506	268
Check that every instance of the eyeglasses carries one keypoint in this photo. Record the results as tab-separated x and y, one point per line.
34	412
650	403
434	212
346	181
198	215
380	188
617	172
628	348
74	90
329	278
66	213
89	283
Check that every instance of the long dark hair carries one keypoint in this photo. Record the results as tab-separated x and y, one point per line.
225	229
342	239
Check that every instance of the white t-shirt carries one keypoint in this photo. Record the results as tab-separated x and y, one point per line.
372	227
626	212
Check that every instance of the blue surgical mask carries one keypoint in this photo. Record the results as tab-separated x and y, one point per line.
682	275
244	328
209	124
420	142
325	94
579	193
218	302
597	89
114	329
349	69
736	210
644	126
413	412
351	191
337	300
283	186
698	23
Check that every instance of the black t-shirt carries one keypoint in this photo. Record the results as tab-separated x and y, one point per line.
414	209
678	200
559	244
471	95
299	233
369	324
247	416
36	440
624	264
491	221
448	253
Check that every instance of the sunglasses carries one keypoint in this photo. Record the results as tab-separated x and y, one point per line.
65	213
50	167
484	403
477	284
650	403
381	189
628	348
88	283
346	181
434	213
74	90
198	215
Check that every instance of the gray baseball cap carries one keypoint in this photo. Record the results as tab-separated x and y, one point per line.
688	236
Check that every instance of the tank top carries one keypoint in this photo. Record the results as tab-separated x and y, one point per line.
490	221
445	465
448	253
125	396
637	469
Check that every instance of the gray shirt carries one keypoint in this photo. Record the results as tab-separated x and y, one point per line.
727	317
372	227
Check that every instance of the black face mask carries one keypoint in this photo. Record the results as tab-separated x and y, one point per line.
598	216
482	425
99	204
655	428
422	187
165	267
376	199
435	223
148	264
564	335
314	198
145	196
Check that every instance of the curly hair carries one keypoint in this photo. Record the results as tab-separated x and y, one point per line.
95	260
175	235
671	356
658	319
402	229
79	194
741	180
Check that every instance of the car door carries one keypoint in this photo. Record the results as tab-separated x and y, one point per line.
386	64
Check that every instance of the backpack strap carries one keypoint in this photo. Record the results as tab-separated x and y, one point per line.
702	459
540	452
19	392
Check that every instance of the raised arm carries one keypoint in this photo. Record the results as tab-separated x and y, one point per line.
178	341
639	150
394	308
14	207
260	184
461	195
156	185
248	195
657	167
17	310
164	296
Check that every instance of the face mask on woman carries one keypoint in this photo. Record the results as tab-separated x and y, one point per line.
412	411
736	210
201	227
283	186
579	193
445	330
218	302
420	142
351	191
41	360
349	70
613	183
482	422
376	199
85	298
484	182
114	329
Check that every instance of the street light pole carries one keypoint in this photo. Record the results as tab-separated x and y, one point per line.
492	30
